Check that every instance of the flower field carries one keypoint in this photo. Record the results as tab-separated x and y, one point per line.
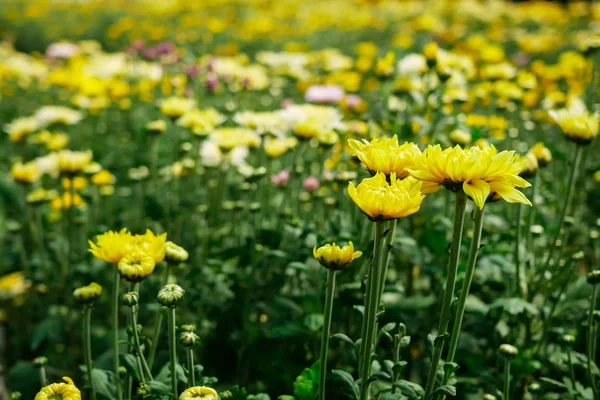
299	200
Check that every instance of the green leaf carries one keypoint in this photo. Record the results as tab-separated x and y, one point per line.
405	341
102	383
286	397
553	383
448	390
314	322
343	338
410	390
515	306
377	376
259	396
344	385
390	396
48	329
159	387
130	364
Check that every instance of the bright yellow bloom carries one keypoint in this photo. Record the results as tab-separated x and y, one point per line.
430	51
542	153
151	244
112	246
384	155
103	178
40	195
67	201
461	137
333	257
88	293
275	147
136	265
59	391
229	138
579	127
175	107
199	393
477	171
19	128
57	141
382	200
531	164
27	173
385	66
78	183
13	284
73	161
158	126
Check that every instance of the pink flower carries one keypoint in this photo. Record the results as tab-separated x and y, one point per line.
62	50
324	94
212	82
285	103
353	100
281	179
311	184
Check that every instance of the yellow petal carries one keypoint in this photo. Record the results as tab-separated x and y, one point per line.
478	190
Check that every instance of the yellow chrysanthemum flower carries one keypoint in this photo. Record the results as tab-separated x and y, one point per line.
199	393
479	172
136	265
112	246
175	107
334	257
67	201
384	155
579	127
382	200
542	153
13	284
158	126
73	161
88	293
79	183
229	138
275	147
59	391
151	244
27	173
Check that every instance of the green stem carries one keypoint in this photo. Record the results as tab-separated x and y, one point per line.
468	279
115	326
591	338
371	307
43	379
158	319
326	330
532	212
457	230
172	350
563	213
389	240
87	347
516	256
138	346
506	378
571	369
191	373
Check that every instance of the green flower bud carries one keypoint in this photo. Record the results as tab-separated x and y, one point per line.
569	220
593	278
240	205
255	206
129	330
578	256
534	387
188	328
144	390
130	299
122	372
508	350
175	253
39	362
88	294
170	295
537	229
189	339
568	339
15	396
488	396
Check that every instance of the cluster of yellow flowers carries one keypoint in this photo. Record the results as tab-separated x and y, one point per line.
134	255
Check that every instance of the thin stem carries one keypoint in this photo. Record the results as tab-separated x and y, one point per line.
87	347
191	373
571	369
457	230
591	338
506	378
138	346
326	330
532	213
371	307
468	279
389	239
43	379
172	349
115	326
563	213
158	320
516	256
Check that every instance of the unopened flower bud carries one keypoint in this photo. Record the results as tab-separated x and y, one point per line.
534	387
15	396
189	339
122	372
39	362
144	391
488	396
568	339
170	295
569	220
130	299
593	277
334	257
88	294
188	328
129	330
508	350
175	253
200	393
